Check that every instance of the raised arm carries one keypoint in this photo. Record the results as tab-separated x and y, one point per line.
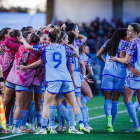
82	38
27	46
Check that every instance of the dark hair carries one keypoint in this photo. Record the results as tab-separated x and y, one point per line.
62	36
69	27
34	38
136	27
55	34
15	33
27	28
71	37
40	33
26	33
113	44
23	29
3	32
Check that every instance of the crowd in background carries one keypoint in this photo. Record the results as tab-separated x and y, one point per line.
97	32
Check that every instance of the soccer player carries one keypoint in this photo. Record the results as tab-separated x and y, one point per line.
113	74
132	82
57	75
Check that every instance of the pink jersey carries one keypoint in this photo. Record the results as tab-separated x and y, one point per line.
7	56
23	57
40	73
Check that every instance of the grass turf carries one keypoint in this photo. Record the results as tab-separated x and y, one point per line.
95	106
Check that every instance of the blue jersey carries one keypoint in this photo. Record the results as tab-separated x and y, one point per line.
115	69
74	60
55	61
133	50
86	59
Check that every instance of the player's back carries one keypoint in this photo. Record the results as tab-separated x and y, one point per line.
55	63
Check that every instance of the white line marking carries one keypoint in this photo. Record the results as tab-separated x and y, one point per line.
101	116
122	103
10	136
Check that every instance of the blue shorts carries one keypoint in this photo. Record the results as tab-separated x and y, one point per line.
31	88
132	84
57	87
35	89
110	83
38	89
61	95
43	87
16	87
78	92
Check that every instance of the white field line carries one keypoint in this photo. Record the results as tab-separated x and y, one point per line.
97	117
10	136
122	103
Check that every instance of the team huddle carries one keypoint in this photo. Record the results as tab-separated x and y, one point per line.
45	70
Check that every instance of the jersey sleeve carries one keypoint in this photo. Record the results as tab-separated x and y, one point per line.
11	45
88	62
123	47
104	45
69	51
70	60
132	47
39	48
78	43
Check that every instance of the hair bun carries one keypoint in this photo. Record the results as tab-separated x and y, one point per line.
67	24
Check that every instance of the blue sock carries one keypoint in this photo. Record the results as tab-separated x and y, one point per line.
32	111
24	118
39	116
84	116
44	123
70	115
64	103
107	107
16	123
63	121
59	118
132	112
63	111
84	100
136	105
79	118
139	117
42	101
11	119
52	115
114	111
86	109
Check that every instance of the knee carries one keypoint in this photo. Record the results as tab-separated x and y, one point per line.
5	102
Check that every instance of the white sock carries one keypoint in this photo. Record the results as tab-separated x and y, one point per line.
32	126
16	129
72	127
22	127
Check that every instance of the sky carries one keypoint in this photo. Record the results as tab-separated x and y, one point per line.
25	3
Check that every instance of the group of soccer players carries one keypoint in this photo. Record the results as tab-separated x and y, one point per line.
46	69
